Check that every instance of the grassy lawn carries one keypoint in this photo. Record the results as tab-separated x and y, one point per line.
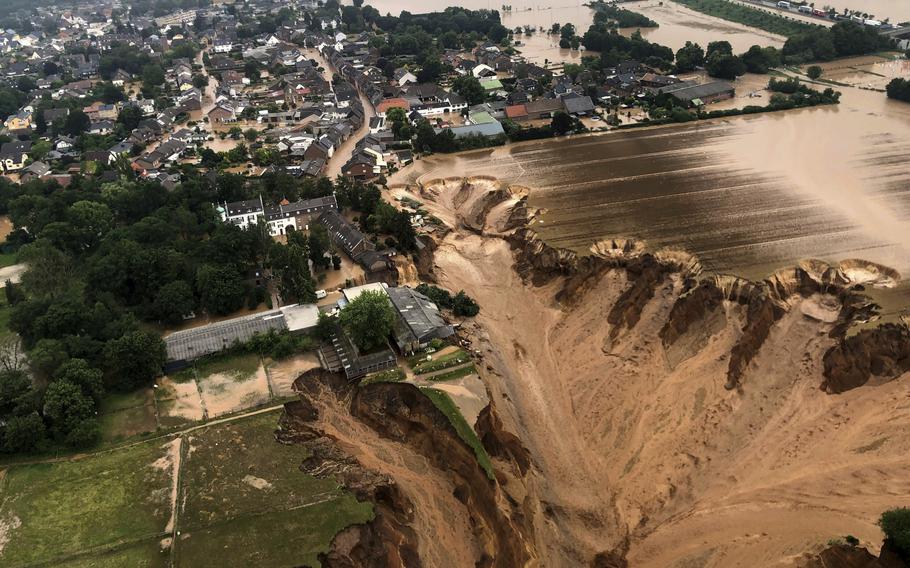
453	359
282	538
125	415
144	555
244	503
445	403
54	510
395	375
239	367
8	259
454	374
245	499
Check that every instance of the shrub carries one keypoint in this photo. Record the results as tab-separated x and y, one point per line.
814	71
895	524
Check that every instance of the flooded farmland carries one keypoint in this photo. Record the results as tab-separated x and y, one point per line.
748	195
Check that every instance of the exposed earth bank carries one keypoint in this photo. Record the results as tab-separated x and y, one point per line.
642	414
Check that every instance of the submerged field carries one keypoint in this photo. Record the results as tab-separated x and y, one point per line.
242	501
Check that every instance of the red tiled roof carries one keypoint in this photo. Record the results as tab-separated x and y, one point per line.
516	111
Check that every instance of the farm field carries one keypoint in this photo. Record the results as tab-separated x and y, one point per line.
237	490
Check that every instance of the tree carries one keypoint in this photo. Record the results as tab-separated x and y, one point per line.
895	524
899	89
561	123
23	433
173	301
719	47
689	57
814	72
465	306
78	372
369	319
67	408
724	66
251	134
152	75
470	88
134	359
47	356
760	59
130	117
220	289
76	122
319	244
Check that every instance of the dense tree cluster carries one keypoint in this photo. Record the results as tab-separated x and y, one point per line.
461	304
899	89
615	16
377	216
614	47
843	39
895	523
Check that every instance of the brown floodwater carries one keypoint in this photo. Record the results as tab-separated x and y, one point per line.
678	24
897	10
747	195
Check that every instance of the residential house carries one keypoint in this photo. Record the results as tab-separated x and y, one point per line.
13	155
19	121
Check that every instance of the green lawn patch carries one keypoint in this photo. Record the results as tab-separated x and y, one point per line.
8	259
453	359
247	501
454	374
395	375
55	510
145	555
240	367
125	415
770	22
282	538
445	403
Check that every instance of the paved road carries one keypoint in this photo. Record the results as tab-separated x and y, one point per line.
792	14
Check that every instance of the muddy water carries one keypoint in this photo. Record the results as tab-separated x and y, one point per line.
748	195
677	24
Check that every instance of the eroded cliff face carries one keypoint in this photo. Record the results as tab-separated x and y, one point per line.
332	418
639	402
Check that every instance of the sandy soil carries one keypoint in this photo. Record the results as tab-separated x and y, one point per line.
468	393
224	393
6	227
171	461
179	401
283	373
629	451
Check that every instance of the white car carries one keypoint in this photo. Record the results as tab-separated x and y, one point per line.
320	294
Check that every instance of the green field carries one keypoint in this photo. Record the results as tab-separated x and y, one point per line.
454	374
63	508
124	415
244	502
445	403
453	359
240	366
772	22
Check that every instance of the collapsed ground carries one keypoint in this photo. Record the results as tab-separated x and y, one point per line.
639	444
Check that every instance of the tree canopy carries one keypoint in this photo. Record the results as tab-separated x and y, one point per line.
368	319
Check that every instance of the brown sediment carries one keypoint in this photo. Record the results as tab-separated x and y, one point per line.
613	438
610	369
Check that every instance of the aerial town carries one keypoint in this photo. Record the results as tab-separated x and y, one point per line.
398	284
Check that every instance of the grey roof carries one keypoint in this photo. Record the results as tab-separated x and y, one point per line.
341	232
244	207
690	92
419	314
356	364
304	206
486	129
190	344
578	105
